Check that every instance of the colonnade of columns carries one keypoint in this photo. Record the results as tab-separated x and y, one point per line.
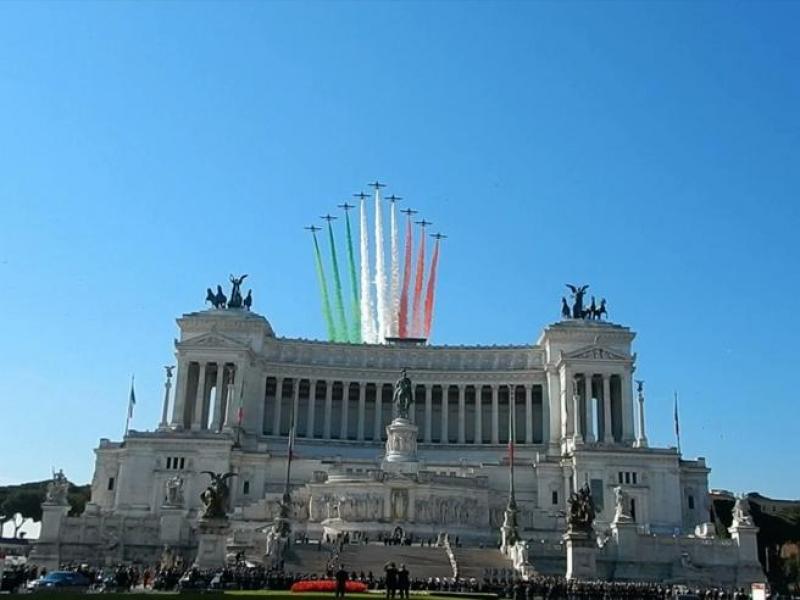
603	393
200	382
455	413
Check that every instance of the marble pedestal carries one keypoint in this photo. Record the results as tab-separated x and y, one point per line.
581	555
212	537
401	447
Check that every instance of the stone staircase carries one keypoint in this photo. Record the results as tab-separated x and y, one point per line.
421	562
307	558
472	562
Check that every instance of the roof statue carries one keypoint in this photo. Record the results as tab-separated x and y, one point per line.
403	395
592	312
57	489
216	496
236	294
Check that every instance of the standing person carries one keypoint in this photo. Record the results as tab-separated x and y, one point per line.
341	582
403	581
391	579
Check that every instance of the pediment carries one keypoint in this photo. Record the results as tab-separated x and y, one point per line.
595	352
213	340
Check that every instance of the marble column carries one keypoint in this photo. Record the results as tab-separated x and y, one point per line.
233	400
528	413
362	409
197	414
628	434
326	422
445	425
641	438
587	390
478	414
219	393
462	415
576	412
495	414
179	405
377	434
295	418
565	389
428	413
312	407
608	432
276	417
165	408
345	402
551	406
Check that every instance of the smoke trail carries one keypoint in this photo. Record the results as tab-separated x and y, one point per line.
403	329
355	326
429	296
394	296
380	272
323	286
341	321
367	317
416	314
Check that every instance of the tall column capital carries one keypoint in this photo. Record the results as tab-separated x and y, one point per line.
197	413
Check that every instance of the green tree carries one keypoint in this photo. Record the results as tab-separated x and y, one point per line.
25	503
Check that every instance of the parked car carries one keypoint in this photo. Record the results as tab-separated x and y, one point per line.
63	580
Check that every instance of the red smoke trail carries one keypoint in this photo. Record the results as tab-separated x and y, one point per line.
403	318
416	315
431	289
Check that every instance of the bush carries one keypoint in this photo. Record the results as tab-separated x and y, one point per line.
327	585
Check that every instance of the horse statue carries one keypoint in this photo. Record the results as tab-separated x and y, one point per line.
215	497
221	298
248	300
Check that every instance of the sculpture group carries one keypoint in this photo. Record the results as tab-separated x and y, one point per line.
577	311
220	300
581	510
216	496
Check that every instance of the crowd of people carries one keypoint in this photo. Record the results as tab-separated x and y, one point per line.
395	581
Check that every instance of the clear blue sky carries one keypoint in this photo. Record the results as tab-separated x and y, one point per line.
147	150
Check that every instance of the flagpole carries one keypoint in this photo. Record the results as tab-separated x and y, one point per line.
131	402
289	459
511	435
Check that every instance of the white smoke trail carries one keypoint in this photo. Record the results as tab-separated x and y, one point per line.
380	271
394	294
368	335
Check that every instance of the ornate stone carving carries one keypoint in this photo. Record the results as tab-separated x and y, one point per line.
174	491
57	489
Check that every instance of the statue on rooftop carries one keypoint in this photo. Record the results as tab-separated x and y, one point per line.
57	489
236	294
403	395
578	292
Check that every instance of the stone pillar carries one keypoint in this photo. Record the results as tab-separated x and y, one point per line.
445	431
295	406
428	413
462	415
179	405
495	414
197	414
608	432
276	417
748	570
233	400
376	435
345	402
216	422
478	414
588	399
576	412
528	413
362	409
326	423
552	402
165	409
628	435
641	438
312	407
581	555
565	388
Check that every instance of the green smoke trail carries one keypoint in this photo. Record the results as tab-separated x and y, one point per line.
355	326
341	324
323	285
